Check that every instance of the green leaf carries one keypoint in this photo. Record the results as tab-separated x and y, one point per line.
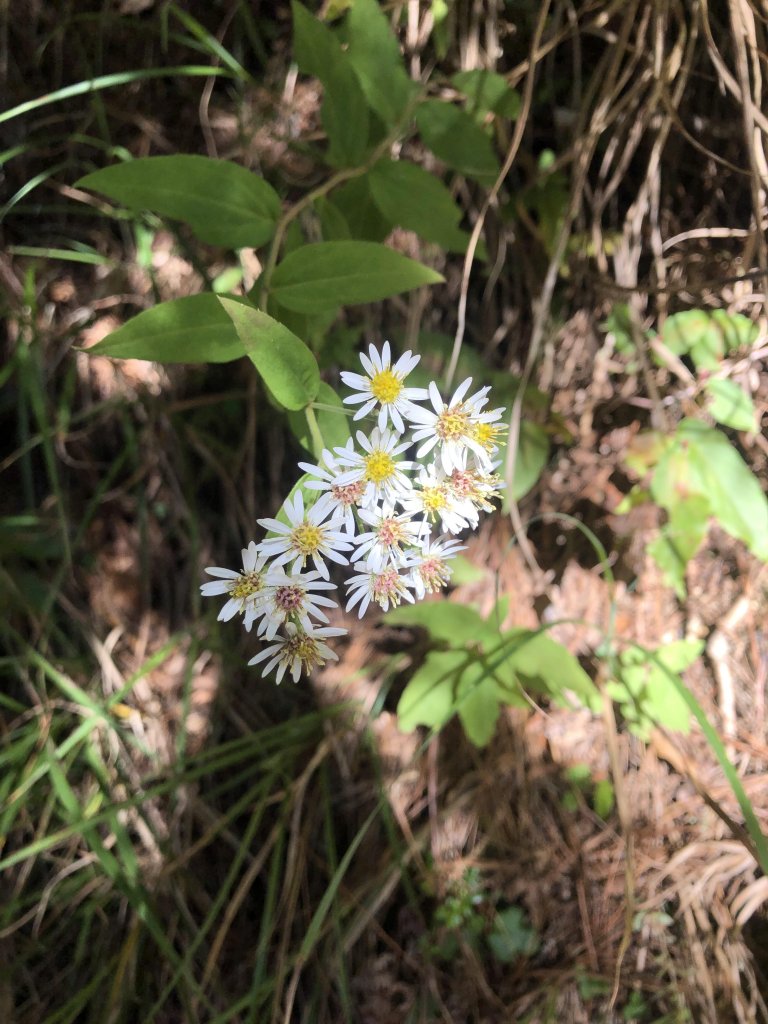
680	539
223	203
738	331
333	223
363	217
454	137
415	199
701	475
328	274
487	91
513	936
374	54
603	798
540	659
478	704
452	623
286	365
731	405
429	698
735	495
532	456
707	336
644	689
331	418
344	112
195	329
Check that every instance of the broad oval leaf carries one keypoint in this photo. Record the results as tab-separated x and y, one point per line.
453	136
415	199
284	362
445	620
539	658
223	203
478	705
328	274
430	697
194	329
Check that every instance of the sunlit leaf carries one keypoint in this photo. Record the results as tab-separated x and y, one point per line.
195	329
286	365
223	203
731	405
329	274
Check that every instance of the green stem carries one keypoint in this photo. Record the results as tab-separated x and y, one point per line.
314	430
347	174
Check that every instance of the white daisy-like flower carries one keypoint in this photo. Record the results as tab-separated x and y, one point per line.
453	426
378	466
308	536
475	486
245	589
387	586
300	650
431	571
383	543
432	498
340	498
384	386
292	599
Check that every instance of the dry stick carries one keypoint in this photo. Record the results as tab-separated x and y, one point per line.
517	138
752	137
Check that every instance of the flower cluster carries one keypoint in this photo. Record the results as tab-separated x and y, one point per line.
374	509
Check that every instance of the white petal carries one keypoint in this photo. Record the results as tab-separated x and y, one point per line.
460	391
368	366
215	588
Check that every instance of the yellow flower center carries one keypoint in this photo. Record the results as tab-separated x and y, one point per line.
246	585
303	647
453	424
486	434
306	538
386	386
433	499
379	466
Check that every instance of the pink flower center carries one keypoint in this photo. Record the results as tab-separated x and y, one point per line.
390	532
434	573
387	584
288	599
348	494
